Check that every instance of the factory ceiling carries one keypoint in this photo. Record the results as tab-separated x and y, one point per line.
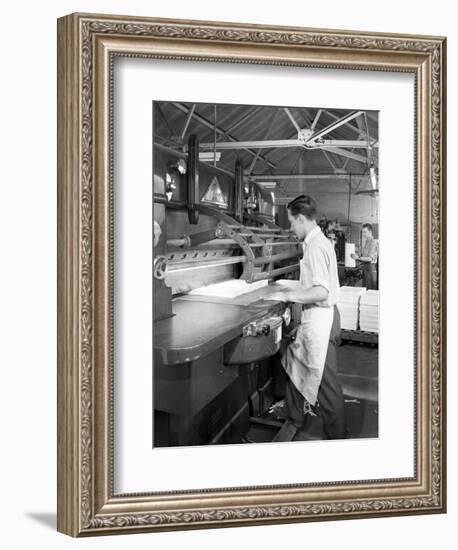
290	146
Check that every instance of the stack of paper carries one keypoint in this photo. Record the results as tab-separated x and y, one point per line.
368	311
348	305
229	289
349	251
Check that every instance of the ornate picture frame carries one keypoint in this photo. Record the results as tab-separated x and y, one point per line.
87	45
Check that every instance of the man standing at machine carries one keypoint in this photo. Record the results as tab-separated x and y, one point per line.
310	360
368	258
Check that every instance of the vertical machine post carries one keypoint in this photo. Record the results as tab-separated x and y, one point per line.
238	202
193	179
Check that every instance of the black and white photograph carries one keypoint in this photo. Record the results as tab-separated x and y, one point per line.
265	275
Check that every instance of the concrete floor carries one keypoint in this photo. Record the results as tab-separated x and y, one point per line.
358	374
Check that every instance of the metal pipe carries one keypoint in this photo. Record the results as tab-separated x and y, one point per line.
264	235
281	243
213	244
205	265
274	273
178	243
253	228
195	239
275	258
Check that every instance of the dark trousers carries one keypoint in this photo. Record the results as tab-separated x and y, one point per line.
330	397
370	276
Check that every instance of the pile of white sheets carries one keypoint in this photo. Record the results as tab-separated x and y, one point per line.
233	288
348	305
369	311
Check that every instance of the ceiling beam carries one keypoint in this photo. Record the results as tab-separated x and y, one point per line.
345	153
244	119
344	120
351	126
282	143
258	144
187	121
292	119
269	128
202	120
353	144
329	159
274	177
315	120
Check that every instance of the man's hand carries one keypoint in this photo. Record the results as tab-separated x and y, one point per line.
354	256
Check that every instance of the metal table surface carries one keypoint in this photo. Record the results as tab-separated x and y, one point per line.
201	324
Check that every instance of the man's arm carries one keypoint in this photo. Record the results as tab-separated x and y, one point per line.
373	253
300	294
319	290
365	259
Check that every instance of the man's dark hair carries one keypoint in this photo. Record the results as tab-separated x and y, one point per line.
367	226
305	205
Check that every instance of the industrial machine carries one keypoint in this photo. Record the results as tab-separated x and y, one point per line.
217	253
334	232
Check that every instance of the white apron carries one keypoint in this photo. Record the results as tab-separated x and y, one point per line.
304	359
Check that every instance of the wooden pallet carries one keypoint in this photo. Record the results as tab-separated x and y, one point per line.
359	336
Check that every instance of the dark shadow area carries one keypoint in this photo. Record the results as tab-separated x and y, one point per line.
47	519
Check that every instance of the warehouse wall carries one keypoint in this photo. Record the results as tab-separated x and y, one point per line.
332	198
363	209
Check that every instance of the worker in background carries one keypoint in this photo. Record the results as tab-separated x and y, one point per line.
368	258
329	231
310	360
